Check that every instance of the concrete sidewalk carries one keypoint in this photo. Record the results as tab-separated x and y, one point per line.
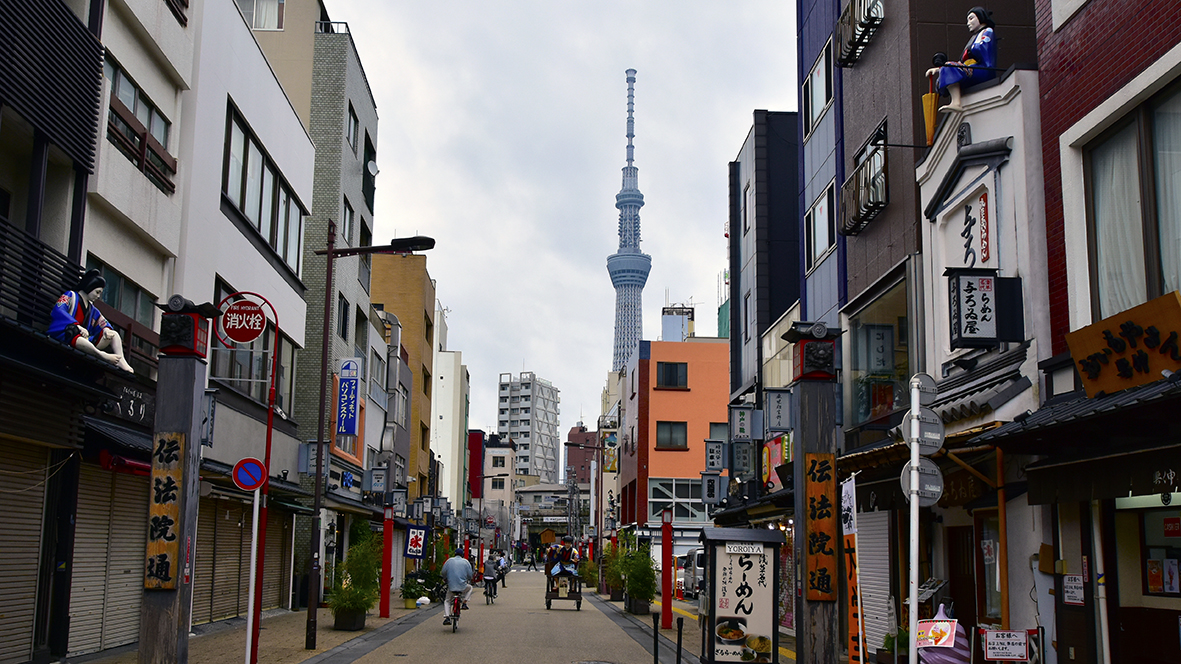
281	639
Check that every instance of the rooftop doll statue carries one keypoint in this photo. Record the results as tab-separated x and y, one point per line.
976	65
77	322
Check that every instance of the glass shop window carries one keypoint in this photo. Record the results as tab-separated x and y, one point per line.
880	367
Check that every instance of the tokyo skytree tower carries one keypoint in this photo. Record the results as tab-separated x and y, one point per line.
628	267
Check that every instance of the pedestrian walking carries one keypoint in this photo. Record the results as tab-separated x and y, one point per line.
531	560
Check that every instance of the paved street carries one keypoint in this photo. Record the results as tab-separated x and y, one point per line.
518	627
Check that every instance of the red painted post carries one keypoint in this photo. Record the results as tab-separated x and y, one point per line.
668	570
387	561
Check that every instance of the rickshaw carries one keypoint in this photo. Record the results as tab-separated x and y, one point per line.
564	585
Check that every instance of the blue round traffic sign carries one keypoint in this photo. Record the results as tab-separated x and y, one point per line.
249	474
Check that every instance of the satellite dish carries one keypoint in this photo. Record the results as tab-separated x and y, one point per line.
372	168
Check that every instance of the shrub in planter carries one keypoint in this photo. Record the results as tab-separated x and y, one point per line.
613	561
412	589
357	585
640	584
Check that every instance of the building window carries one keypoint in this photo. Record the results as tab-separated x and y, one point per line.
498	462
426	382
682	496
746	205
881	367
498	484
672	374
820	228
1134	207
1159	553
346	444
719	431
817	92
671	434
262	14
137	128
348	220
353	129
254	186
377	376
399	470
368	177
401	411
342	317
124	295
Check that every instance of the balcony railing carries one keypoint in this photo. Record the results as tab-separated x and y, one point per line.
135	141
332	27
865	194
855	29
33	275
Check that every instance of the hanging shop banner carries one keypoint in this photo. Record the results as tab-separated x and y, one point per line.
1130	348
856	643
772	457
820	522
609	441
168	453
416	539
744	608
346	402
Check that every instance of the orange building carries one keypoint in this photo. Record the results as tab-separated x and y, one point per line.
673	397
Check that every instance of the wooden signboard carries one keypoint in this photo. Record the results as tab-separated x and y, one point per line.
820	521
1130	348
164	497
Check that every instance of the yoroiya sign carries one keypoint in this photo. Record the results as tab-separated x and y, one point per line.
1130	348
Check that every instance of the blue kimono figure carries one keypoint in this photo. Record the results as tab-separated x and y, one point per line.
75	321
977	63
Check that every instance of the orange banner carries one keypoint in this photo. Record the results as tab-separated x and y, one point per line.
164	498
820	521
854	602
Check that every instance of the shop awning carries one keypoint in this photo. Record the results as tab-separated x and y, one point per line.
1112	446
109	433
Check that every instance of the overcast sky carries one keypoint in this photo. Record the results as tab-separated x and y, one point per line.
502	135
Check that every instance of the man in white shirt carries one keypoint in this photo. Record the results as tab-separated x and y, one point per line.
457	572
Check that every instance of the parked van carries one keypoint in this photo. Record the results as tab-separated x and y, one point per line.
695	572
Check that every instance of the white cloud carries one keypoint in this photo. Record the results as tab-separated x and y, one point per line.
502	135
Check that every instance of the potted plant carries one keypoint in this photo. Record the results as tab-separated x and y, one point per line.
640	582
613	562
412	589
885	654
357	584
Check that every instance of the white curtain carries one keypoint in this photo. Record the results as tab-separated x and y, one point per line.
266	14
1119	229
1167	146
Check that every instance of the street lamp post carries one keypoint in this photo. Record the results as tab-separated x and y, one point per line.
396	246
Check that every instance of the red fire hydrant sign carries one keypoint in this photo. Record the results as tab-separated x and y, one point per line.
243	321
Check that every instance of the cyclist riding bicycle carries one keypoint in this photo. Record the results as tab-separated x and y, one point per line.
490	575
457	572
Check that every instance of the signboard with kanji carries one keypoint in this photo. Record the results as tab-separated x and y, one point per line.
1005	645
243	321
777	409
1130	348
973	309
164	498
741	423
416	539
346	402
715	458
743	625
856	642
711	487
820	527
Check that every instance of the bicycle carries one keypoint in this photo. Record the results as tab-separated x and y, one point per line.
456	607
489	590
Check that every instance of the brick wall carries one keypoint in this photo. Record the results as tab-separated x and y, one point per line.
1098	51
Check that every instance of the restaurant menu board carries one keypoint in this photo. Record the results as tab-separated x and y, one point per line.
744	602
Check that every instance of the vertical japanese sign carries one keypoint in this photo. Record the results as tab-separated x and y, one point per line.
168	451
741	423
778	409
416	538
744	603
346	402
856	642
820	526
